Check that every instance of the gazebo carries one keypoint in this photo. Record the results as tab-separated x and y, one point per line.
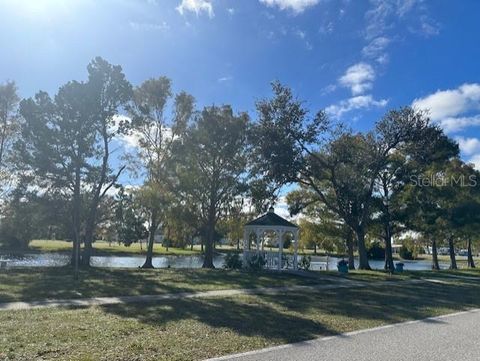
274	228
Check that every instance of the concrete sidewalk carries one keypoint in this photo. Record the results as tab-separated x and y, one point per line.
443	338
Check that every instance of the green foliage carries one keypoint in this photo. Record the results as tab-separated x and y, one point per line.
9	129
210	166
406	253
305	263
376	251
232	261
129	220
256	262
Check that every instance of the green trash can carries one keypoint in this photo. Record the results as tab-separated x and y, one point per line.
399	267
342	266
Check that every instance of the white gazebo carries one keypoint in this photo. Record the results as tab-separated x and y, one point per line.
274	228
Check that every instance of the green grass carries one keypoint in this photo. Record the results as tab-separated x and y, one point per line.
48	283
104	248
196	329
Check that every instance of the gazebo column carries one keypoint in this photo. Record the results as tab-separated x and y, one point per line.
246	240
257	239
295	254
280	248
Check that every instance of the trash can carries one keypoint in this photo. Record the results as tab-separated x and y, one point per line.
399	267
342	266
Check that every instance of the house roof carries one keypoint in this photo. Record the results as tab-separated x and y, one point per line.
271	219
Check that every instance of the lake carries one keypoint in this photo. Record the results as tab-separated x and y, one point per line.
59	259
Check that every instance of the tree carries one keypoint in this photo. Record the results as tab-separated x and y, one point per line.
460	204
57	141
129	221
9	124
342	172
211	162
156	134
323	225
425	196
65	142
108	92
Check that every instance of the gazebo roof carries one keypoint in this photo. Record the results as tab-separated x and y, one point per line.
271	219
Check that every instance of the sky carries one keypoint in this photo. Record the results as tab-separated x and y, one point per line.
354	58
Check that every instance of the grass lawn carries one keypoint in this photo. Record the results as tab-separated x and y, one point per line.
48	283
195	329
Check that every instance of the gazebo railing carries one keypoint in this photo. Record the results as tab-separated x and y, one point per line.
270	257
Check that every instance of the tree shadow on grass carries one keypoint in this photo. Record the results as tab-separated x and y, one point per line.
58	282
386	304
242	315
295	317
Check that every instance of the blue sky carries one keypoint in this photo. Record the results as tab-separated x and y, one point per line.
354	58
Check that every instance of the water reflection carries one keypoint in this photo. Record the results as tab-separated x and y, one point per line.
59	259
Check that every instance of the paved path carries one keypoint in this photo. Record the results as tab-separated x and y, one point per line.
444	338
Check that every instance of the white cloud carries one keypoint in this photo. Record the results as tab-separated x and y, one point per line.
452	108
297	6
231	11
468	146
196	6
149	26
456	124
358	78
355	103
224	79
302	35
375	49
475	160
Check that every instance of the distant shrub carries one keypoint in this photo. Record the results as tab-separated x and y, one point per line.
232	261
376	251
406	253
305	263
256	262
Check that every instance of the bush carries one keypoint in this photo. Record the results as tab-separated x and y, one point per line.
376	251
232	261
406	253
256	262
305	263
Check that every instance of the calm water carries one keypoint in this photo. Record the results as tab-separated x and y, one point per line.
57	259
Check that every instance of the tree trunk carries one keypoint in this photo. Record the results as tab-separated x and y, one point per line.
210	235
435	265
238	244
151	240
389	266
97	196
87	248
168	239
470	262
191	244
351	257
362	250
314	248
77	204
451	251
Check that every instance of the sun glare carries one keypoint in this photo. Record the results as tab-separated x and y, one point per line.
40	9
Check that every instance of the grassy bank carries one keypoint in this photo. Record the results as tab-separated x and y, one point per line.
195	329
105	248
43	283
